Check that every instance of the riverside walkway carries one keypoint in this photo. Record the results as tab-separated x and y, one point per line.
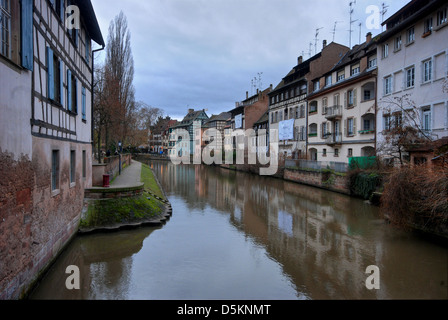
130	176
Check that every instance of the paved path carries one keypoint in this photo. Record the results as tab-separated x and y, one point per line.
130	176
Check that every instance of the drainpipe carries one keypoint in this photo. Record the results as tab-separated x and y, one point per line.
92	104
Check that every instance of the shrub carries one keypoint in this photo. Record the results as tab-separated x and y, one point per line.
363	184
416	196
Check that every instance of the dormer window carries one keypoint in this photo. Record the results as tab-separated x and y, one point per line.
355	70
341	75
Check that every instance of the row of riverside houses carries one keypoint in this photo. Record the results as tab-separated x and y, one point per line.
341	103
46	77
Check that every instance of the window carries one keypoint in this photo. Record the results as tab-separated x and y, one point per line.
324	105
16	32
385	50
355	70
324	130
316	85
372	63
442	17
55	77
328	81
336	152
350	127
410	38
313	107
302	111
427	119
367	95
351	99
313	130
388	85
72	166
72	90
387	122
410	78
324	153
427	26
55	170
5	34
302	136
341	75
350	152
297	114
367	126
397	43
427	71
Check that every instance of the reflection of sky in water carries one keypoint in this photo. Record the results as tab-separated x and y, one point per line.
239	236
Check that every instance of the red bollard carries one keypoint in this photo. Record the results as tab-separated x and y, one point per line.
106	181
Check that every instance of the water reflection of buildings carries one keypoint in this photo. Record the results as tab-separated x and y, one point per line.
323	240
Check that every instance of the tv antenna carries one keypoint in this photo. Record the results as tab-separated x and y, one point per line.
383	14
334	29
311	50
316	40
360	32
352	10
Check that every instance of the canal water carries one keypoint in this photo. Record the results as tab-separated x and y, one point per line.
240	236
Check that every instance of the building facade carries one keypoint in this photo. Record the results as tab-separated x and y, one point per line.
342	108
413	64
46	73
288	109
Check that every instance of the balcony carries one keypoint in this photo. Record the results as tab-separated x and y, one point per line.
332	139
333	113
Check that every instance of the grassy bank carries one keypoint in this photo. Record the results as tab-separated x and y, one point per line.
111	213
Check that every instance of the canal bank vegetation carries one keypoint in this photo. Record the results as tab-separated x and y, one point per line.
417	197
147	208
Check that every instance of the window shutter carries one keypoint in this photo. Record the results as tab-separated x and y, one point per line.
69	90
62	13
76	38
50	74
355	98
354	127
61	88
75	103
27	34
84	103
87	49
346	127
345	100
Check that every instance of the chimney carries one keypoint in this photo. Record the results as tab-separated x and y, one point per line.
324	44
369	37
247	95
300	60
190	111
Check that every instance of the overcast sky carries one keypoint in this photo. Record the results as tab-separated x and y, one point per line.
205	54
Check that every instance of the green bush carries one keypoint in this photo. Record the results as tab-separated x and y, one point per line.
363	184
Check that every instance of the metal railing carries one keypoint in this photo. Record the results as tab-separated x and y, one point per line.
340	167
333	112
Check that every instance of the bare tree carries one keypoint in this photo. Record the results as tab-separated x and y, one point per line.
403	129
119	76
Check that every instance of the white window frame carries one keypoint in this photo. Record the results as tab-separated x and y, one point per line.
410	35
385	51
388	85
409	77
397	43
442	17
427	71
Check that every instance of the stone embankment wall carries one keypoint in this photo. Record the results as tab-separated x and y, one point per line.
321	179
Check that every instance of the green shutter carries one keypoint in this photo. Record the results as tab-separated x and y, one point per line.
50	74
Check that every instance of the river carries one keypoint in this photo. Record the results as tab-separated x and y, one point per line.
237	236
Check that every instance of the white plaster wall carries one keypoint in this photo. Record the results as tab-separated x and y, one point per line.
15	111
